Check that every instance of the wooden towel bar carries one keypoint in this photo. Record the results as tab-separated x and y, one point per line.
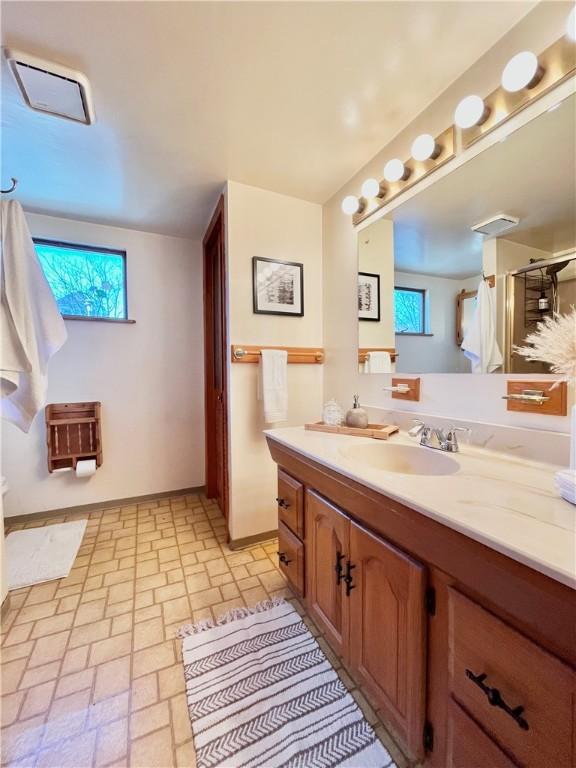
251	354
363	353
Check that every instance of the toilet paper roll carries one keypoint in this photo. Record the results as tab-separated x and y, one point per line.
85	468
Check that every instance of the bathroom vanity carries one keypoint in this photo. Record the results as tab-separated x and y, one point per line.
446	584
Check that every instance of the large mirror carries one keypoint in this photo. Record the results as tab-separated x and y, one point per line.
420	270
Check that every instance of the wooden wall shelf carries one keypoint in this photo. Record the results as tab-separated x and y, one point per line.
363	353
242	353
72	434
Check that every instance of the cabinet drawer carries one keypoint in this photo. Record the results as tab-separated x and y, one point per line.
291	558
291	503
468	745
494	667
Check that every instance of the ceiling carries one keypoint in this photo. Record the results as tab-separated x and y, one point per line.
530	175
294	97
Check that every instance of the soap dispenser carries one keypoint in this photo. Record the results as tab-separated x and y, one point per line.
357	416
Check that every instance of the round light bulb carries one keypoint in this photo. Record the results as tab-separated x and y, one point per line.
522	71
571	24
394	170
370	188
350	204
470	111
424	147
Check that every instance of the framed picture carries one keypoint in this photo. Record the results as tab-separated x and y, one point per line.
278	287
368	296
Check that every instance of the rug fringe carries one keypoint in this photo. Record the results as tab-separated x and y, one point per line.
232	615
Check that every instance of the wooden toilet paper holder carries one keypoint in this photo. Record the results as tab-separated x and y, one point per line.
73	434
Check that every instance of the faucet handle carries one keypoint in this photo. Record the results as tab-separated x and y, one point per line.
459	429
417	428
451	434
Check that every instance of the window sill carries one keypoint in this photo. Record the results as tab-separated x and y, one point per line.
99	319
414	334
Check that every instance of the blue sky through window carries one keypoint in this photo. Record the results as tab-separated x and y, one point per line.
85	282
408	311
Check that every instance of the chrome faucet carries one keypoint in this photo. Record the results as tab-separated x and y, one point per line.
435	437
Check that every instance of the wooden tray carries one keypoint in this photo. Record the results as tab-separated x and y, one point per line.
377	431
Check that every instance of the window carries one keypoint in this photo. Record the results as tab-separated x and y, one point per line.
86	281
409	310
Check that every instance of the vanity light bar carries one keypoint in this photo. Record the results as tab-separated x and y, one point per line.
474	116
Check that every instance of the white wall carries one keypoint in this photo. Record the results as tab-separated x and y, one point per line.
262	223
148	376
376	255
437	353
499	256
458	395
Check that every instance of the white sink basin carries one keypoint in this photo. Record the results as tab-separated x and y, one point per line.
403	459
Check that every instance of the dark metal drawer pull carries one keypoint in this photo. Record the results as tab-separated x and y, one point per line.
282	502
338	567
495	699
283	558
348	578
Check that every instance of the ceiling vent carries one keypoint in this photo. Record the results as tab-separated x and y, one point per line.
497	225
52	88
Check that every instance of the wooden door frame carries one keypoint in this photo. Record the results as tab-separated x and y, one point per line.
216	225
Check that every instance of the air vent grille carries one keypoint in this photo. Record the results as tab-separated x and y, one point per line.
51	88
497	225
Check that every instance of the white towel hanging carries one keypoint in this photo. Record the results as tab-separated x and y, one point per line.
378	362
480	345
32	328
273	384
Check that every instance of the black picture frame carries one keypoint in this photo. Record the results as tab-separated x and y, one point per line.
371	315
263	307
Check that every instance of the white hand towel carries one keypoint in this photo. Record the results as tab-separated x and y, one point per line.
378	362
32	328
480	345
273	389
566	484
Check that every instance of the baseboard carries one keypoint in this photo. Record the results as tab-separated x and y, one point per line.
103	504
248	541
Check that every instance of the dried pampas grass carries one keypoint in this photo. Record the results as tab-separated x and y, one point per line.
554	342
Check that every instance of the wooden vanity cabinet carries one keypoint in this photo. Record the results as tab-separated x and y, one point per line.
388	631
327	552
520	694
413	607
469	746
367	597
291	558
290	502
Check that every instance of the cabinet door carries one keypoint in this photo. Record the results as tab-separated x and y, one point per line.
327	534
387	645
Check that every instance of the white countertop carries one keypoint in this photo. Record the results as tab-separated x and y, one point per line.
507	503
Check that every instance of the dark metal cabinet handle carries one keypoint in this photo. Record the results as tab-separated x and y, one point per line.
338	567
282	502
495	699
348	578
283	558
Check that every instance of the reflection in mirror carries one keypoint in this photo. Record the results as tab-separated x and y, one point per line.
437	296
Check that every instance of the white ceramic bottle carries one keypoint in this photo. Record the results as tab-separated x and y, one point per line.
357	416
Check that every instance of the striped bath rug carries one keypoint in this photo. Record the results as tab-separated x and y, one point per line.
261	693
